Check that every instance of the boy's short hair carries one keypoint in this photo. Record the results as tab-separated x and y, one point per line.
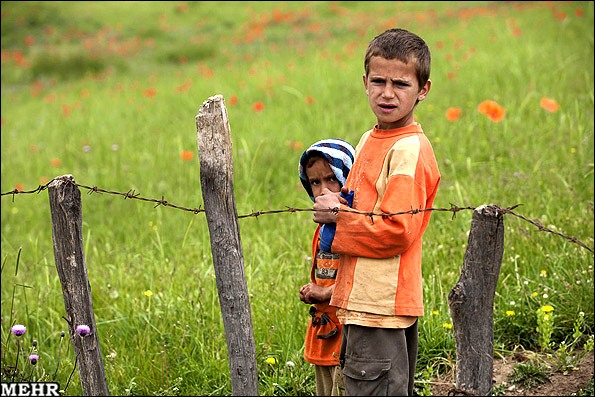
405	46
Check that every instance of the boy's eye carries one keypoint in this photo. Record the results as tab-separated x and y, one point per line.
314	182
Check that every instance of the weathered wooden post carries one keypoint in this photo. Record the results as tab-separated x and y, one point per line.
216	180
471	302
67	218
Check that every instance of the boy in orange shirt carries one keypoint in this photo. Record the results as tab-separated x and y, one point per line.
379	282
324	165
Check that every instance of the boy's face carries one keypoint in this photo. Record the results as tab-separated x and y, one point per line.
321	176
393	91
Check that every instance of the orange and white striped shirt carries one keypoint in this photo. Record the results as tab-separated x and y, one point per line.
380	265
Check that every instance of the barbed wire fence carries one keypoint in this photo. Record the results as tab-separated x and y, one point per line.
68	249
132	194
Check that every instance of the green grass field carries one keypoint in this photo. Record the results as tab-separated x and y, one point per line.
108	92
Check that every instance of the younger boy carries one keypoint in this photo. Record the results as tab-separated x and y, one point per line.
379	282
324	166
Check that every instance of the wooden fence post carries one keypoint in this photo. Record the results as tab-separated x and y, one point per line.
471	302
67	218
216	179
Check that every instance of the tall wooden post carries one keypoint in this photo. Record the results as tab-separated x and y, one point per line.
216	179
67	218
471	302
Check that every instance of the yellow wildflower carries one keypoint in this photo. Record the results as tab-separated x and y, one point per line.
547	309
510	312
447	325
435	312
271	360
148	292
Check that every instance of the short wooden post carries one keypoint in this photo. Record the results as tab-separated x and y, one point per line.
471	302
67	218
216	179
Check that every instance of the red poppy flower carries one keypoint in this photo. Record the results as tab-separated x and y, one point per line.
491	109
549	104
182	7
295	145
258	106
453	114
66	109
186	155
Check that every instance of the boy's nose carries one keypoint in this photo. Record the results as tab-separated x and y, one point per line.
388	91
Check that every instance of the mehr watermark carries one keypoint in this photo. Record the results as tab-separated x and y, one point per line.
30	389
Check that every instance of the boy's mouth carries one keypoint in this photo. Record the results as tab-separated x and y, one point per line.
386	107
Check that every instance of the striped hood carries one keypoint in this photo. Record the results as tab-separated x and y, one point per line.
340	155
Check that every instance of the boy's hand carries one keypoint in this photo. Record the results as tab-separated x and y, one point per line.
327	200
312	293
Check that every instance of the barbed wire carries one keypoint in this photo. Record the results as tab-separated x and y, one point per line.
132	194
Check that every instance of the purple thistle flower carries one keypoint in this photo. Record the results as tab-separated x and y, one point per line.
18	329
83	330
33	358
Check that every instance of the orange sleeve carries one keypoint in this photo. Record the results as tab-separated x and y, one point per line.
382	237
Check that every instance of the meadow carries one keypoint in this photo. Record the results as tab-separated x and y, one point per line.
108	92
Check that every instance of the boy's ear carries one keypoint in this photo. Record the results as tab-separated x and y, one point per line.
423	92
365	83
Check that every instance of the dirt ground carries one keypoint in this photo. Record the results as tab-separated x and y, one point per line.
559	384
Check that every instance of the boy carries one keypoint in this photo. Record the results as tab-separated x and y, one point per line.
324	166
379	283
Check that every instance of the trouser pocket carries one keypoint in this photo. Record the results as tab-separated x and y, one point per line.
366	376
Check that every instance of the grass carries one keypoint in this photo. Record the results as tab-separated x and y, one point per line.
108	92
587	391
530	374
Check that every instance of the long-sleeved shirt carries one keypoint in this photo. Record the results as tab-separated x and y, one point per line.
323	335
380	264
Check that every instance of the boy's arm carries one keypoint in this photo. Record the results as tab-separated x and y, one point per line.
411	184
383	236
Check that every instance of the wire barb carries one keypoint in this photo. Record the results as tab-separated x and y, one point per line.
131	194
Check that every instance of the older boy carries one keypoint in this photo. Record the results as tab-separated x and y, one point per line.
379	283
324	166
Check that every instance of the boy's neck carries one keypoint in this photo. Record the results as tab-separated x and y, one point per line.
378	128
